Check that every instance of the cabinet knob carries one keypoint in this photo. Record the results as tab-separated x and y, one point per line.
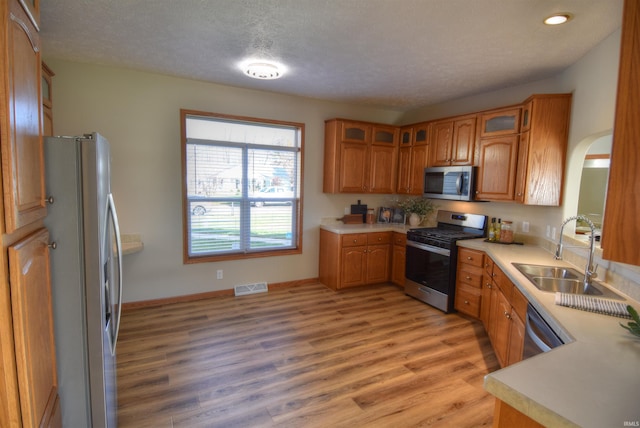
507	315
53	245
469	258
49	200
468	277
466	302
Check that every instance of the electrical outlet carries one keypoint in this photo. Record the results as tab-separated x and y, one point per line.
548	231
219	274
553	233
525	226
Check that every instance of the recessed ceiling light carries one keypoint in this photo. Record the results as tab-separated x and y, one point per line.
557	19
264	70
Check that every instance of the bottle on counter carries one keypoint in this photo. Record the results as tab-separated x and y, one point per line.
498	230
492	230
506	232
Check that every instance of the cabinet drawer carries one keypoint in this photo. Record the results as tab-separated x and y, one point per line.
354	239
471	257
399	239
379	238
468	300
470	275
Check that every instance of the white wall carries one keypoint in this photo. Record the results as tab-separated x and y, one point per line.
139	113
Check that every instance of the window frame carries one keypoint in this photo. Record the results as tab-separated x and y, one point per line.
297	248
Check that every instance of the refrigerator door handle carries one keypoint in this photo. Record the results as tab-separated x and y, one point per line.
116	228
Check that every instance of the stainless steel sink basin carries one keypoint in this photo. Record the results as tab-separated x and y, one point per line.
562	279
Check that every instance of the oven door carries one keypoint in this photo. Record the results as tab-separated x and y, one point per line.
428	266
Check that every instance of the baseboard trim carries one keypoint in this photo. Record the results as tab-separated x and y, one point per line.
210	294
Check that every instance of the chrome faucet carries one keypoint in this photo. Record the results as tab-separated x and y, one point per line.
589	270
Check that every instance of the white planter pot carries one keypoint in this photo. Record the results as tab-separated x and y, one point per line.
414	219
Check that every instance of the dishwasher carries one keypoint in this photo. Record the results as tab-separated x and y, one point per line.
539	337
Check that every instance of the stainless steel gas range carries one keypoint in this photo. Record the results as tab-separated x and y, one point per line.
432	255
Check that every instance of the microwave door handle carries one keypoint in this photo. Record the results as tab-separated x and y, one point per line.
459	183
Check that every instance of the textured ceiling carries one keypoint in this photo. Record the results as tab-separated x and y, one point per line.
398	54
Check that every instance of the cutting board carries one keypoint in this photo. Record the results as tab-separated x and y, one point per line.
351	219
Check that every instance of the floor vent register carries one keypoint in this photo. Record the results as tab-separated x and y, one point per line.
258	287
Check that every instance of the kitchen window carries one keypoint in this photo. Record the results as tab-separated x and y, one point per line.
241	186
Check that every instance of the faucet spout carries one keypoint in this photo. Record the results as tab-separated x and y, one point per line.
589	270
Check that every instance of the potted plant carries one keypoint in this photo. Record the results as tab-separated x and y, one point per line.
417	209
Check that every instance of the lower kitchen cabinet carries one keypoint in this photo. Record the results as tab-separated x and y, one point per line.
398	258
505	416
354	259
484	292
28	344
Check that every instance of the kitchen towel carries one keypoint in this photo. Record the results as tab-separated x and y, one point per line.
592	304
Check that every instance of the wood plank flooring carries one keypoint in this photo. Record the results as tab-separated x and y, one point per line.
303	357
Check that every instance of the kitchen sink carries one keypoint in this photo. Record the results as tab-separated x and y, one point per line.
562	279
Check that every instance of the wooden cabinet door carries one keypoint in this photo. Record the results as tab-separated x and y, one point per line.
378	263
398	258
32	315
497	171
500	122
621	227
521	168
501	323
404	170
441	141
22	146
354	266
485	299
516	339
382	167
464	135
353	170
419	161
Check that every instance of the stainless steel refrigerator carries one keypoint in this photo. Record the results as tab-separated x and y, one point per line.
86	277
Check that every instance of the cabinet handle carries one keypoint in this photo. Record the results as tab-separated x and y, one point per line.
469	258
467	277
507	315
49	200
53	245
488	285
466	302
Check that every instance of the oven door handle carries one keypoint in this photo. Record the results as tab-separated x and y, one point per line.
429	248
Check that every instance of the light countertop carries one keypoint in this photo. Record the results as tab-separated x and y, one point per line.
131	243
341	228
591	381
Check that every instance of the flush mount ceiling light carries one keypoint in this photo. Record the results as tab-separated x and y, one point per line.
557	19
264	70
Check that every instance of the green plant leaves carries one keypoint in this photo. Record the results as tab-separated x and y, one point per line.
633	326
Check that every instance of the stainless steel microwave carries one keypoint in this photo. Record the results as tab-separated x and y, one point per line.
449	182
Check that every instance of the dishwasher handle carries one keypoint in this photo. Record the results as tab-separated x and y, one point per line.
539	331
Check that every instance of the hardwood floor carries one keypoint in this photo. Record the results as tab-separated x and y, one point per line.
303	357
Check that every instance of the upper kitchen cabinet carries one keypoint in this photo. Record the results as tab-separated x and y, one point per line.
359	157
20	120
413	157
496	176
526	167
452	141
621	227
542	150
504	121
